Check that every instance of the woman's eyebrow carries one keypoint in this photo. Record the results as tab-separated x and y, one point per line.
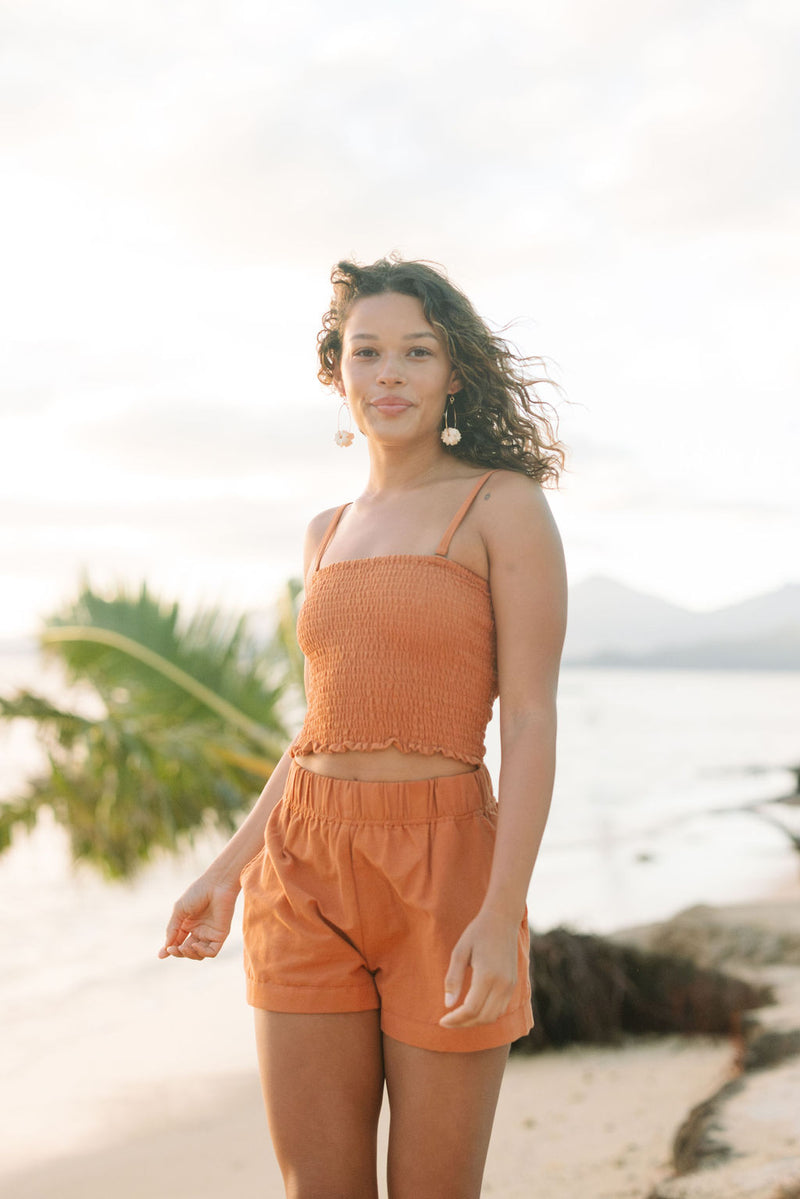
408	336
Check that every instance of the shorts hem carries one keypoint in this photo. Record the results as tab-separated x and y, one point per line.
310	1000
423	1035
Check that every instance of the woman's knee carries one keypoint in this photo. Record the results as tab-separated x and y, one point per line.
344	1184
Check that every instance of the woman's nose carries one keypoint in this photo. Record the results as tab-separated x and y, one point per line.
391	369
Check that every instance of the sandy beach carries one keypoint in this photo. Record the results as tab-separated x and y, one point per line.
586	1122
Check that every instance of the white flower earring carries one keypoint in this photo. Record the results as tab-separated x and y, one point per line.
451	435
343	437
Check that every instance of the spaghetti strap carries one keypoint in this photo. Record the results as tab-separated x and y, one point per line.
444	544
329	532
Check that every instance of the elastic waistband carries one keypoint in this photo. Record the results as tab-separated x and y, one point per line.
396	802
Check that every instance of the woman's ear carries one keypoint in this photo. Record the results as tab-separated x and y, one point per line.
455	383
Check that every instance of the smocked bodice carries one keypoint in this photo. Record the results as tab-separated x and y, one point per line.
400	651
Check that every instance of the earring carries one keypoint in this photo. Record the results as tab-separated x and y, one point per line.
343	437
450	433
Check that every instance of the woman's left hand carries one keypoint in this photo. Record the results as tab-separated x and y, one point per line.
489	946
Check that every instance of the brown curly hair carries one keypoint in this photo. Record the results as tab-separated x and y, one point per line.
503	422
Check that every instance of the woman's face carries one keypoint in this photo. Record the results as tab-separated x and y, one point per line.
395	371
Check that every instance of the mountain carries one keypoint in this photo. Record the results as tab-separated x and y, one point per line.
614	625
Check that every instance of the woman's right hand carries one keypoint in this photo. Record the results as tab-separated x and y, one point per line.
200	921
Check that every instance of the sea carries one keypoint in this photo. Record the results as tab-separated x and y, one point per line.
667	795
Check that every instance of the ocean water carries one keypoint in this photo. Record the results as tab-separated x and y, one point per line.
654	771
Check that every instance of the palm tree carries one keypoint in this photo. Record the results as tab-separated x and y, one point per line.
171	726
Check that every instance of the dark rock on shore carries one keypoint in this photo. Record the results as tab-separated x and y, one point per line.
591	989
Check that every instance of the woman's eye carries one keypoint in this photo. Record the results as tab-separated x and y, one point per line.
371	352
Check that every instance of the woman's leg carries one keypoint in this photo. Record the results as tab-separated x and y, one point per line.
442	1107
322	1078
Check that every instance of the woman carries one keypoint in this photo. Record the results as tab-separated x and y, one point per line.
385	925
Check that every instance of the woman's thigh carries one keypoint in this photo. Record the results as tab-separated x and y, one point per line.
442	1107
322	1079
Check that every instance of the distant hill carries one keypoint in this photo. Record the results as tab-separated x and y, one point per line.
614	625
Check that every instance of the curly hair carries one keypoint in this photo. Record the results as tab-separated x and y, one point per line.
503	422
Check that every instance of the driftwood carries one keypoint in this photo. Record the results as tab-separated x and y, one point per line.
755	808
591	990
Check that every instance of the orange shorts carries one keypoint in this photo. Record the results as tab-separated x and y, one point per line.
359	895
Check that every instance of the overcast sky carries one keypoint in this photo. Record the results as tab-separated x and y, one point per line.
619	179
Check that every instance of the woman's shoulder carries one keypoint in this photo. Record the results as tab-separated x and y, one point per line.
511	489
315	531
527	571
318	524
515	505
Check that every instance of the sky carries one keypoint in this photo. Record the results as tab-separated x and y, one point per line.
618	182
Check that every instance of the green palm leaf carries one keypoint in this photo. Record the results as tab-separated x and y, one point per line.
189	730
134	647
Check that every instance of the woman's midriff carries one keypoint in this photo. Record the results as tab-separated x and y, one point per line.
383	765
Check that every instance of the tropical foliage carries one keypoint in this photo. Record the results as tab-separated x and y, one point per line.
171	726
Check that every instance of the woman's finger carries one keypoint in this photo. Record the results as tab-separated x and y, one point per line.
175	925
470	1010
486	1001
191	948
456	970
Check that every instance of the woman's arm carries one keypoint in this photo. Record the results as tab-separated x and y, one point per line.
529	596
201	919
248	841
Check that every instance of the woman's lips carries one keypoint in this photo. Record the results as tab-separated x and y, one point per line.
391	405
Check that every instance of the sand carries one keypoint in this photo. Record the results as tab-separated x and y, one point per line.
589	1122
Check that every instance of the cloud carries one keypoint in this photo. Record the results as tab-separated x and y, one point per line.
198	440
708	146
230	526
501	128
180	177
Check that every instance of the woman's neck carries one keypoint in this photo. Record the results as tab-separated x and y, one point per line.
403	468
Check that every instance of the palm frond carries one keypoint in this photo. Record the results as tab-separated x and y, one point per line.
189	727
54	724
133	651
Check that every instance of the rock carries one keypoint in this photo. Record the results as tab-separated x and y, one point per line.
757	934
593	990
767	1180
699	1141
756	1117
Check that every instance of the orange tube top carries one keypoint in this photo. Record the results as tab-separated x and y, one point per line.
401	650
